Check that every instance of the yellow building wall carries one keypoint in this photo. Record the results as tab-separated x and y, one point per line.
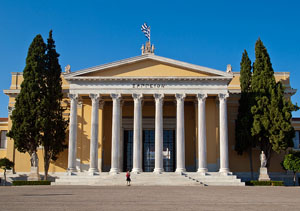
147	68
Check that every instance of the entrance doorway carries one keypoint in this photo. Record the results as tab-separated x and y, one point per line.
149	150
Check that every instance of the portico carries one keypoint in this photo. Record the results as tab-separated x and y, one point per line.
135	89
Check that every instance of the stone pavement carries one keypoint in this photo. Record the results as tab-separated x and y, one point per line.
148	198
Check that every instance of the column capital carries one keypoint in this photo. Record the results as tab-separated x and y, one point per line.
201	96
137	97
180	97
223	96
73	96
95	97
115	96
158	97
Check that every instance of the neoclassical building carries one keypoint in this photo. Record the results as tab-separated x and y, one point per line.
148	114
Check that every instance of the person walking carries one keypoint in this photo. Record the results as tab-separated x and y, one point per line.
128	180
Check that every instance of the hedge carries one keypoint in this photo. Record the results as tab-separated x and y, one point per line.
24	182
265	183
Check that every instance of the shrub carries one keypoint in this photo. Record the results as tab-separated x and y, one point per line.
264	183
22	182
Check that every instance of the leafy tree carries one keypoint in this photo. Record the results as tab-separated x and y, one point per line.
53	124
243	137
271	110
26	117
292	162
5	164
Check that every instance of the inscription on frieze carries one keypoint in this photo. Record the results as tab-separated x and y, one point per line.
148	85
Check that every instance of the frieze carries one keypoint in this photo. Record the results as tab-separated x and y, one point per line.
148	85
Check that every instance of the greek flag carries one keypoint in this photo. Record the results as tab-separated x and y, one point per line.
146	30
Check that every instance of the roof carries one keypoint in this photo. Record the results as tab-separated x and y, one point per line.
151	57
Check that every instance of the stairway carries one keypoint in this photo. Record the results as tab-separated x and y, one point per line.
143	179
215	179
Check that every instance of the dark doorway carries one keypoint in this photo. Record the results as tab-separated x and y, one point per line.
149	150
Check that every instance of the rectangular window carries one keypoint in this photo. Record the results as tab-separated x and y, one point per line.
3	139
296	139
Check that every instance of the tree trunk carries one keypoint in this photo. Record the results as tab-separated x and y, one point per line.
251	162
294	178
4	177
46	163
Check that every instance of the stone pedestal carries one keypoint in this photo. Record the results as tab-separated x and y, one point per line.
263	174
34	174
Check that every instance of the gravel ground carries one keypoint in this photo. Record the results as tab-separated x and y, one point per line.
148	198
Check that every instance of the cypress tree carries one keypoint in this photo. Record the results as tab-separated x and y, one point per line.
26	116
271	110
243	137
54	125
281	131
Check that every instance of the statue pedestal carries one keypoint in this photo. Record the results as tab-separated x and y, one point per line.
34	174
263	174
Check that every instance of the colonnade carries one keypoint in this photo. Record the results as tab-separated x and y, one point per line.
137	133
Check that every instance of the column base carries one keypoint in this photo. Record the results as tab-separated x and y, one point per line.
225	171
180	170
158	170
137	170
202	171
71	171
114	171
93	171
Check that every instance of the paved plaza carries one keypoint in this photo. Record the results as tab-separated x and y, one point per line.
148	198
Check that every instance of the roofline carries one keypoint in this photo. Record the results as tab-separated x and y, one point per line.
149	56
112	78
275	73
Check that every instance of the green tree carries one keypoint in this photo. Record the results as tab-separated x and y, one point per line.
5	164
281	131
26	116
292	162
243	138
53	124
271	110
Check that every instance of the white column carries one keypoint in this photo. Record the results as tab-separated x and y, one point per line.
137	136
115	137
224	160
100	151
94	134
180	144
202	165
158	133
72	133
121	146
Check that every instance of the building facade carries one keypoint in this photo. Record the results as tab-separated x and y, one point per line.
148	114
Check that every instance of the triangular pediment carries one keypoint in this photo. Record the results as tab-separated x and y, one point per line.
148	66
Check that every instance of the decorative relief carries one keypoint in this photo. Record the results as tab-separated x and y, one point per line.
201	97
158	97
180	97
137	97
115	96
95	98
73	96
223	97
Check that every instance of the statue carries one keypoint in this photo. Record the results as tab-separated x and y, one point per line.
68	69
34	160
263	160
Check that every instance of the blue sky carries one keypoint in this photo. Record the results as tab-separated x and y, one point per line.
207	33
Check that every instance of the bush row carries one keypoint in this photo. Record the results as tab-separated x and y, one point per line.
265	183
22	182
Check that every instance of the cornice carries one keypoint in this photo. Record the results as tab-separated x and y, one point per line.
99	78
